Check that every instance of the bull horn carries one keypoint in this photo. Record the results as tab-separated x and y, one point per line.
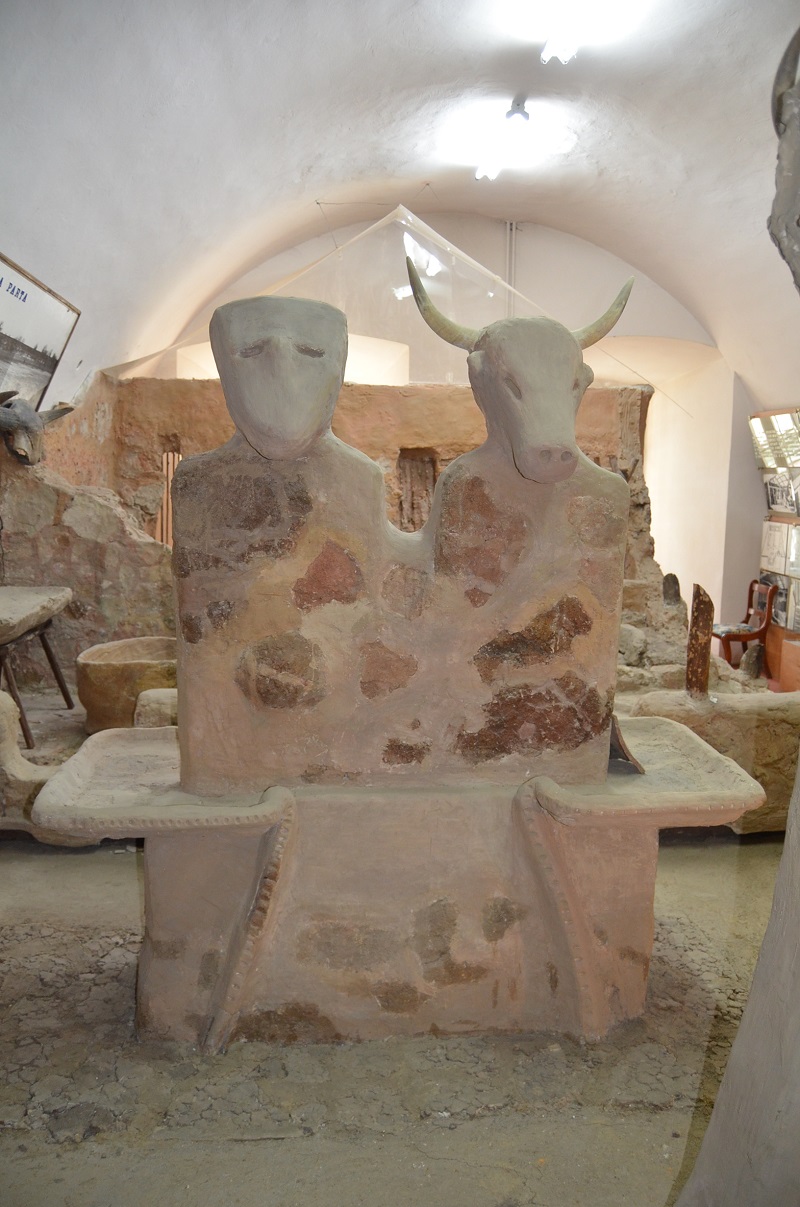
461	337
6	396
9	418
785	78
59	411
587	336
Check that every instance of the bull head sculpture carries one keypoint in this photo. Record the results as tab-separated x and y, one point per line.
528	377
22	428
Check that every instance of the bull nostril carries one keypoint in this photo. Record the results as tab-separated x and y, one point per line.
545	454
566	455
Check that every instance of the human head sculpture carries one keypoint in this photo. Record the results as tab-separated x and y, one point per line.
528	377
281	363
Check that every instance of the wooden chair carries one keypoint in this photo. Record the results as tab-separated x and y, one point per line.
757	619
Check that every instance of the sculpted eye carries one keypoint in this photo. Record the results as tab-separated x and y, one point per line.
253	349
514	388
307	350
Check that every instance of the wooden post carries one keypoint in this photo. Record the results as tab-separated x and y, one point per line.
698	649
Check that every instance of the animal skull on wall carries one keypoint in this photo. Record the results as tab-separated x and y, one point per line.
22	428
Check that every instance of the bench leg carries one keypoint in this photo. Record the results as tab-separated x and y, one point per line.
11	683
56	669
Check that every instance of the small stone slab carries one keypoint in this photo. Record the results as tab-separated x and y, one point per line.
686	783
156	707
125	783
23	608
698	650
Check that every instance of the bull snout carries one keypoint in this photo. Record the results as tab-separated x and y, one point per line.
547	462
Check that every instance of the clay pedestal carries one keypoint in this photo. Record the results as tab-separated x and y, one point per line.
324	913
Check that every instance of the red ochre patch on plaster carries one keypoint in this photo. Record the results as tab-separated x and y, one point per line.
385	670
281	672
406	591
477	541
550	633
334	576
596	522
526	720
397	752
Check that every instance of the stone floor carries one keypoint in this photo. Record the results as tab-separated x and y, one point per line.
90	1118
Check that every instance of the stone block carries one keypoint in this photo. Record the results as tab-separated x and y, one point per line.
156	707
632	645
82	540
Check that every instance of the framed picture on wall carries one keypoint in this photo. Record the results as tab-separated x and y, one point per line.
774	542
35	326
780	492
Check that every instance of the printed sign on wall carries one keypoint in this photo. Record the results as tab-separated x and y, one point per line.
35	325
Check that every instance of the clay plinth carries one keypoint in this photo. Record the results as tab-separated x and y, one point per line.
462	907
110	678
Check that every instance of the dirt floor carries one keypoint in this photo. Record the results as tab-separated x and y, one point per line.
91	1118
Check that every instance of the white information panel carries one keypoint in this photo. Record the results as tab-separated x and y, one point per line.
774	547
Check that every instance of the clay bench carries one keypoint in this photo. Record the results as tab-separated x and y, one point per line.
458	906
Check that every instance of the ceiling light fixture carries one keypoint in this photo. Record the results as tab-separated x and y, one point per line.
521	140
566	25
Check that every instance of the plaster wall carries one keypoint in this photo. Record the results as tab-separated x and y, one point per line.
115	439
84	453
117	435
687	463
746	509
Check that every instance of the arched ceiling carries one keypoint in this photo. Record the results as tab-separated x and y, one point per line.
155	151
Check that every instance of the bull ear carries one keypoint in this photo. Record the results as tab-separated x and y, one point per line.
58	412
460	337
587	336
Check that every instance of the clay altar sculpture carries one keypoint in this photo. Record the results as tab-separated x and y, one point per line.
392	810
319	643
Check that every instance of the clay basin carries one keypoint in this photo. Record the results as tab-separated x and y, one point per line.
111	676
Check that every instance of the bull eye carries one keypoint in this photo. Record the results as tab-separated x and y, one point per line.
307	350
514	388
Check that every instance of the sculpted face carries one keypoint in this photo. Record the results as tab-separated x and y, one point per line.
281	363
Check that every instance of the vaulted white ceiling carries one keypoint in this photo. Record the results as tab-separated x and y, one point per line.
155	151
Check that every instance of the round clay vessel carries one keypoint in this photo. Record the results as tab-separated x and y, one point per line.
111	676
